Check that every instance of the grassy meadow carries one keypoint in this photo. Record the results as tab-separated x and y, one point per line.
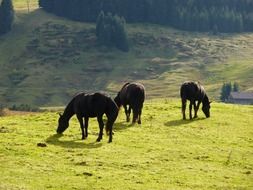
165	152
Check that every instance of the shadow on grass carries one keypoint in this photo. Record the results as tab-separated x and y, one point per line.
179	122
119	126
55	140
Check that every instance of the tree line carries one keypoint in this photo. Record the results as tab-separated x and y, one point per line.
192	15
6	16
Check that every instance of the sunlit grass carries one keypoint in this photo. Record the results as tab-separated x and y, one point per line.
25	5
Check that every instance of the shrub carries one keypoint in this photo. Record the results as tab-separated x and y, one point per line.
24	107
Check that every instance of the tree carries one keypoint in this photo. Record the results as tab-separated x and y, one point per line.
110	31
235	87
227	88
225	91
6	16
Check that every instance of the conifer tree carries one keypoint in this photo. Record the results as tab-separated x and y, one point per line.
225	91
110	31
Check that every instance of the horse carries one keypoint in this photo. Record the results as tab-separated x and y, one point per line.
88	106
132	94
194	91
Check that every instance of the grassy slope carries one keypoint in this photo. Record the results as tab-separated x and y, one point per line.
45	59
163	153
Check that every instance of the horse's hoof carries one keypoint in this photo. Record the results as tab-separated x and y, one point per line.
139	122
98	140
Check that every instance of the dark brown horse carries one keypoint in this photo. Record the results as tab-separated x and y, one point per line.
193	92
86	106
132	95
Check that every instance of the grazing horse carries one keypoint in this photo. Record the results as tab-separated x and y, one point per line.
193	92
132	94
86	106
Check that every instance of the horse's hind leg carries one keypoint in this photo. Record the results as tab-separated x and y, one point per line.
86	123
183	107
101	127
139	114
135	115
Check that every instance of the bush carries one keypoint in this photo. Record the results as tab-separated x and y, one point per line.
24	107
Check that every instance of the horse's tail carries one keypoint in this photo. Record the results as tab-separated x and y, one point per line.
112	111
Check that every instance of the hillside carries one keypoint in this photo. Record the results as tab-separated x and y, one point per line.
46	59
165	152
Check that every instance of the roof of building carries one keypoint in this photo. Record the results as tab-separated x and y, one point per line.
242	95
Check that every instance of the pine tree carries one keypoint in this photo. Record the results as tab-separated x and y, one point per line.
235	87
110	31
120	36
225	91
6	16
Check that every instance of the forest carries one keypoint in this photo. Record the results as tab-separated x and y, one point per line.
191	15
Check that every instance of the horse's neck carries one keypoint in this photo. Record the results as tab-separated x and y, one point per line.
69	111
205	100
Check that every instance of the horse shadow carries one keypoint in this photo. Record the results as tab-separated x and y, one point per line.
55	140
179	122
120	126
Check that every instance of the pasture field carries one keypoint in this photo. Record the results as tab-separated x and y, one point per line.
165	152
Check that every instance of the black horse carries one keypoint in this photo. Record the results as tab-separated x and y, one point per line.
86	106
132	94
193	92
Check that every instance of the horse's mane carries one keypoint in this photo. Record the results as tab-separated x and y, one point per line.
127	83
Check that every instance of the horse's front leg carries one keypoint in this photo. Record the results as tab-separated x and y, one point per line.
190	109
80	119
196	108
101	128
127	113
109	125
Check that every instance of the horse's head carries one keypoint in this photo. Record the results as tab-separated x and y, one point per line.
117	100
63	124
206	109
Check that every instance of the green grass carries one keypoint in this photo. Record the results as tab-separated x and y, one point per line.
165	152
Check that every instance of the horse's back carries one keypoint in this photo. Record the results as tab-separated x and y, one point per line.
93	105
191	91
135	92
